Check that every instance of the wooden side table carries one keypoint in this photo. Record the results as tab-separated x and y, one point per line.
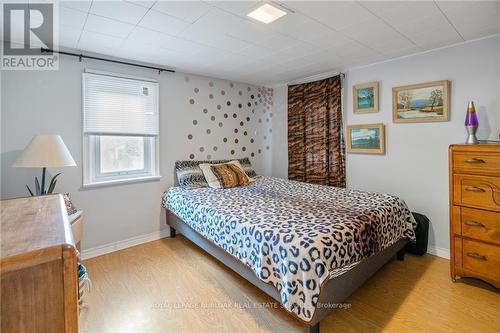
76	221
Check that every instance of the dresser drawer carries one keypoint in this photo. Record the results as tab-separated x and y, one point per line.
477	191
478	163
480	224
483	259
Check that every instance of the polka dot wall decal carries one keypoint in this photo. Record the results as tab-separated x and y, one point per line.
222	92
190	136
221	124
235	115
252	96
215	148
240	93
219	107
209	157
191	101
196	90
205	111
265	137
228	103
243	148
248	118
226	115
231	85
211	96
225	139
270	130
195	122
240	106
191	156
251	140
211	84
260	120
258	95
209	131
252	154
260	151
235	130
249	104
245	133
186	79
232	151
248	88
202	149
212	118
236	141
267	147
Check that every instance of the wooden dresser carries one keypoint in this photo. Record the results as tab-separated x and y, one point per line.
475	211
39	284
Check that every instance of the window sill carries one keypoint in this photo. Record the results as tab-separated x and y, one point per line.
120	182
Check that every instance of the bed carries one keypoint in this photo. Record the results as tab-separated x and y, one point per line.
307	246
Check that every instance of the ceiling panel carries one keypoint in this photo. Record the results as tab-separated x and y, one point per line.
103	25
217	38
189	11
119	10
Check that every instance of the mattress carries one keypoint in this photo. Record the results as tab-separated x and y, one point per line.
294	235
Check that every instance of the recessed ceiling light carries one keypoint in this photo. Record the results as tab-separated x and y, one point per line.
266	13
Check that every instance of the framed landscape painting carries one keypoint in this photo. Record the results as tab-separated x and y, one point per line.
366	139
424	102
365	97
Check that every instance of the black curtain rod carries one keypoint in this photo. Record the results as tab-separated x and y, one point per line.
81	56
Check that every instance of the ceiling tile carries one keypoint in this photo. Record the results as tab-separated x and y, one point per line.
118	10
473	19
107	26
71	18
189	11
99	43
334	14
240	8
145	4
167	24
69	36
83	6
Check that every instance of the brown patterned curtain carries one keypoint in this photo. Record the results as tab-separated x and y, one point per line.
316	152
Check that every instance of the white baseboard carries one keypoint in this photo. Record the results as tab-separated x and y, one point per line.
123	244
439	251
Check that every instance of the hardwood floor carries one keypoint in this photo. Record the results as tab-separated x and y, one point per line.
171	285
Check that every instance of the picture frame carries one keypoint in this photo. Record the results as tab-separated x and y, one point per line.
365	139
365	97
421	103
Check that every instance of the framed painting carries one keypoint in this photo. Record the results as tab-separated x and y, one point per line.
365	97
365	139
421	103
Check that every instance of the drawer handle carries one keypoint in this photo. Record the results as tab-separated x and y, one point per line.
474	160
476	256
474	224
474	189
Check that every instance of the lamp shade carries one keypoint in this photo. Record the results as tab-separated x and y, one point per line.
45	151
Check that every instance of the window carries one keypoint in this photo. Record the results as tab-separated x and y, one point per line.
120	128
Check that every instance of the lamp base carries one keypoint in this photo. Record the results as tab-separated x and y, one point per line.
471	139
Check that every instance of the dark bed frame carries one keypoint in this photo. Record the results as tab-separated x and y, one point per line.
335	291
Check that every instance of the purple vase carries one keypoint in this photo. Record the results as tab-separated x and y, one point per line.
471	123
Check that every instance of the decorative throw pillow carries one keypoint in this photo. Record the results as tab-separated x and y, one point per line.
230	175
69	205
212	179
190	175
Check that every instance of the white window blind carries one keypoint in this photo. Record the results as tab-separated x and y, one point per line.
119	106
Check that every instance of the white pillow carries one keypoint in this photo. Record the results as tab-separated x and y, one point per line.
210	177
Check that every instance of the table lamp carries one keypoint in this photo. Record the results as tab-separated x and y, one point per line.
45	151
471	123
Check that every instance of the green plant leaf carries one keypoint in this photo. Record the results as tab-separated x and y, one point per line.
29	190
52	184
38	190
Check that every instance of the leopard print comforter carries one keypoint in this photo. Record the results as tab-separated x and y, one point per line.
293	234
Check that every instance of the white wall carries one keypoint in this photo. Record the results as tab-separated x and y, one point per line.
415	166
35	102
